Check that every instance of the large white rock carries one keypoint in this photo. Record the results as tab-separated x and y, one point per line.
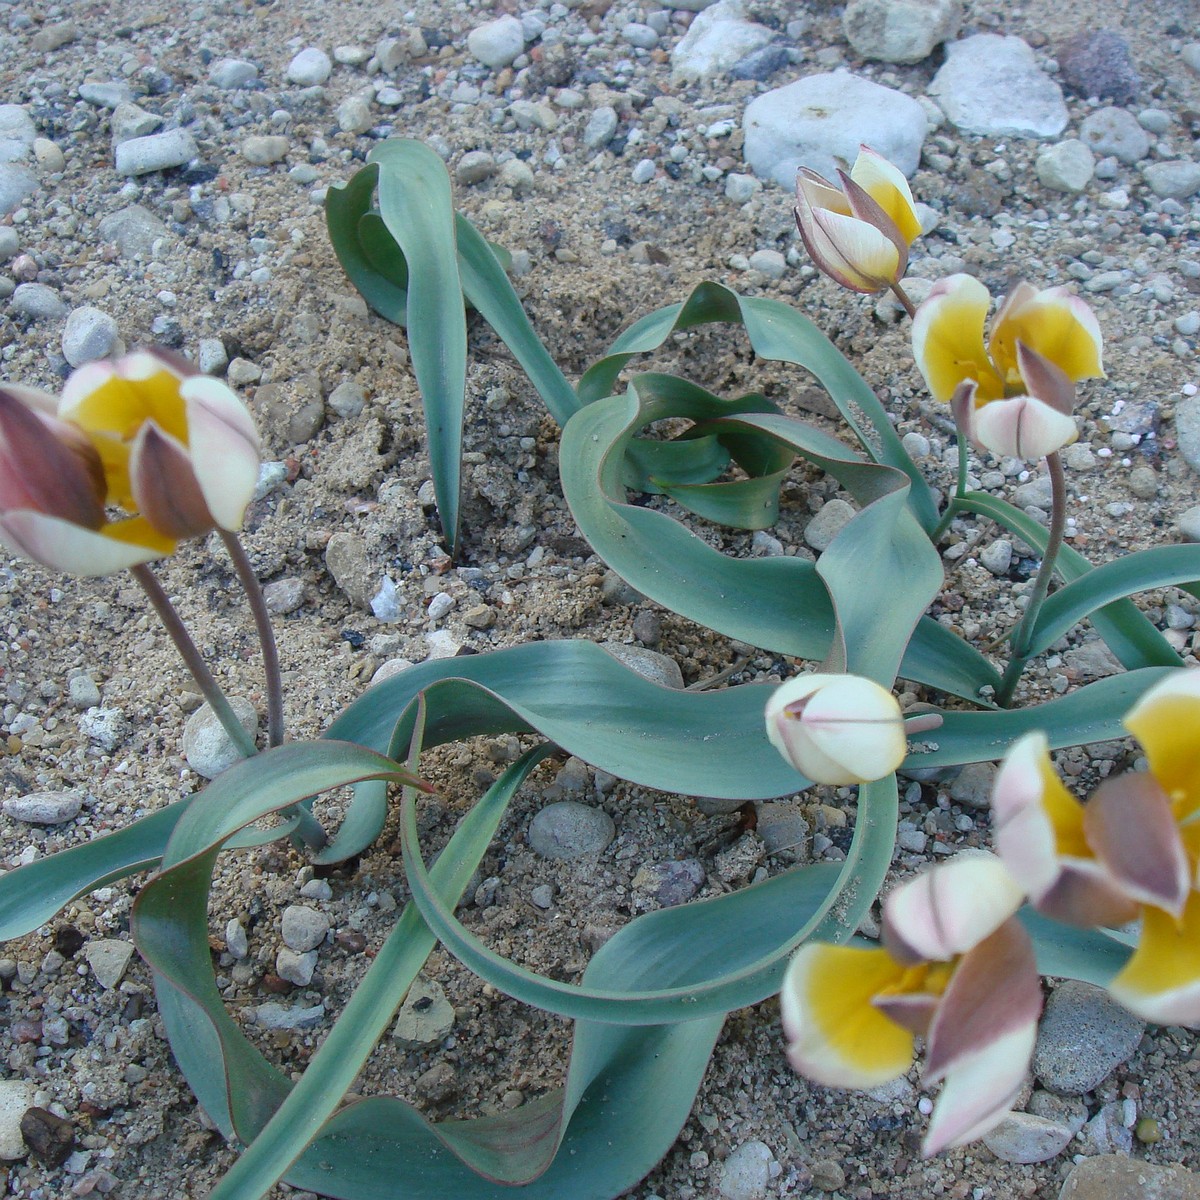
900	31
992	85
717	39
16	1095
821	118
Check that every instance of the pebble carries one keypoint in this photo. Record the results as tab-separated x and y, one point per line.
156	152
441	643
658	668
542	896
475	166
669	883
295	967
496	43
1096	63
1188	524
82	691
824	117
614	590
38	302
997	556
1118	1177
51	1138
715	41
17	133
900	31
108	958
517	175
45	808
16	1096
783	828
310	67
759	65
303	928
1116	132
232	73
426	1016
1187	429
346	560
280	1016
916	445
107	727
48	155
992	85
601	127
569	829
263	149
972	786
642	36
741	188
1025	1138
128	121
134	230
105	93
206	746
1084	1036
236	941
1066	166
644	171
832	517
1143	483
10	243
89	334
353	115
440	606
1175	179
746	1173
770	262
211	356
16	183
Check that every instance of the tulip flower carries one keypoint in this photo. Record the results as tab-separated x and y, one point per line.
956	969
1014	395
1132	852
176	451
837	729
859	234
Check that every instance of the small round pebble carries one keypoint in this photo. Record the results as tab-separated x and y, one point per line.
746	1173
38	302
644	171
310	67
44	808
231	73
569	829
303	928
89	334
263	149
770	263
833	516
496	43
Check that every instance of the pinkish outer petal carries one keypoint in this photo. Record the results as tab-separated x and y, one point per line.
224	448
1130	825
1023	427
164	486
64	546
1086	895
1046	380
950	909
851	252
35	399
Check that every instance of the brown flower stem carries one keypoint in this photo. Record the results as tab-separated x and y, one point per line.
266	635
1041	584
901	295
191	656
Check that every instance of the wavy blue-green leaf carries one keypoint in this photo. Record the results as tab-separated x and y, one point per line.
1092	955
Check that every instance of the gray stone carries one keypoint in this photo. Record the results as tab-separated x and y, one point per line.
17	133
716	41
295	967
1143	483
1091	660
312	66
1066	166
1106	1132
1025	1138
832	517
997	556
746	1173
426	1016
280	1016
569	829
45	808
38	302
900	31
1118	1177
134	230
108	958
1084	1036
1034	494
353	115
517	175
16	183
129	122
346	560
105	93
759	65
770	262
783	828
1187	429
236	941
1176	179
614	590
207	748
644	37
262	149
1116	132
303	928
669	883
157	152
211	356
601	126
972	786
83	692
992	85
1188	524
283	596
10	242
496	43
1097	63
741	188
107	727
16	1096
89	334
821	118
474	167
658	668
1064	1110
644	171
232	73
48	155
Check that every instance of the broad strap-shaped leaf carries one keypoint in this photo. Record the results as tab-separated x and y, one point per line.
1067	952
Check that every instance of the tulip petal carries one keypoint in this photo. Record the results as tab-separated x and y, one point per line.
950	909
64	546
1023	427
1130	826
36	400
947	339
1166	721
815	191
1055	323
851	252
1046	380
115	398
866	208
835	1035
887	186
224	448
1161	982
165	489
1085	894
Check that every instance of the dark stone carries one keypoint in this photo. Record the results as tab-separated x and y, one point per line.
759	65
50	1138
68	940
1098	63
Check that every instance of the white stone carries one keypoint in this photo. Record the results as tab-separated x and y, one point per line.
211	356
900	31
129	121
1066	166
16	1096
1175	179
717	39
89	334
1115	131
1024	1138
157	152
770	262
295	967
310	67
231	73
38	302
280	1016
207	748
820	118
496	43
992	85
16	182
746	1173
17	133
262	149
108	958
426	1016
45	808
354	115
303	928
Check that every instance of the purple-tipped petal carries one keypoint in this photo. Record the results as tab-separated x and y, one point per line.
165	489
910	1010
1085	894
1046	380
224	448
1022	427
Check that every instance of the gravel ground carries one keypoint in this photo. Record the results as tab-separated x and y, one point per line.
618	182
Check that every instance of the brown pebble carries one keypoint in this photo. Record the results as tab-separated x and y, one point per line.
350	940
274	984
50	1138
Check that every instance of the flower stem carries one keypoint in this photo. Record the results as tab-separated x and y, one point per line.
901	295
192	660
266	635
1041	584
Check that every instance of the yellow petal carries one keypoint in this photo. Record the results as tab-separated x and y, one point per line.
1055	323
835	1035
885	184
116	398
947	339
1161	982
1166	720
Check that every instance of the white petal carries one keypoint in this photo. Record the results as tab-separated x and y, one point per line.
224	448
72	548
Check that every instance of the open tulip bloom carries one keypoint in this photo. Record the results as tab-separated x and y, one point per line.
956	969
1132	851
859	234
1015	394
176	451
